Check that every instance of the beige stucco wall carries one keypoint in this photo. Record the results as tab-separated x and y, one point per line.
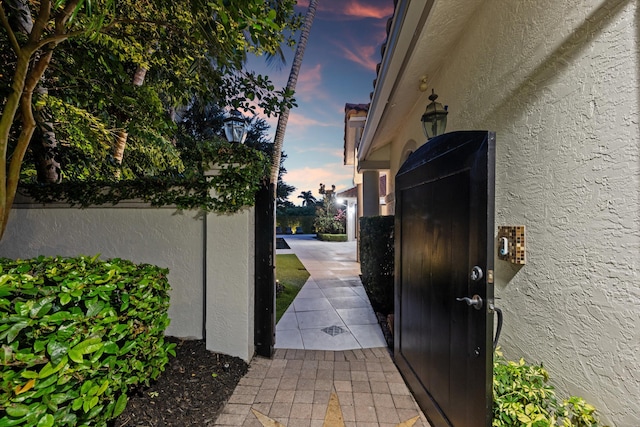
559	83
230	283
218	255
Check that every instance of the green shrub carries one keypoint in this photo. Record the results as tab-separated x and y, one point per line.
75	334
329	219
522	397
376	261
306	222
332	237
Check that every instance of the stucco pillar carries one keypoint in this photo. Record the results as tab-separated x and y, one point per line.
351	220
370	193
230	282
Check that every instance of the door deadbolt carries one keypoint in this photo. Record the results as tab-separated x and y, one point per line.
476	274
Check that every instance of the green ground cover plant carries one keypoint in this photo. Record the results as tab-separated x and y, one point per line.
75	335
292	276
523	397
332	237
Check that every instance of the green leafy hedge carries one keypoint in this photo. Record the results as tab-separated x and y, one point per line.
75	334
242	171
332	237
523	397
376	260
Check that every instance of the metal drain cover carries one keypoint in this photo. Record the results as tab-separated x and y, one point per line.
334	330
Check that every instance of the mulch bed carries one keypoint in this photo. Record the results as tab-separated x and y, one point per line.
191	391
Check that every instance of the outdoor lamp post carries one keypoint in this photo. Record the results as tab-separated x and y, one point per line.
434	119
235	127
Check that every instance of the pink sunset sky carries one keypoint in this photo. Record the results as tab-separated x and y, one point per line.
338	68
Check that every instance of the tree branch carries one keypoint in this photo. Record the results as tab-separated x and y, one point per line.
12	36
41	22
63	17
28	127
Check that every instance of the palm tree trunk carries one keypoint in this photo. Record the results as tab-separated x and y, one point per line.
139	76
122	135
118	149
291	86
45	145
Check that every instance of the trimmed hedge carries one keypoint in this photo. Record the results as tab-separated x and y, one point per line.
326	237
306	222
377	261
75	334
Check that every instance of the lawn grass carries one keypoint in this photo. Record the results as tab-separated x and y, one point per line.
292	275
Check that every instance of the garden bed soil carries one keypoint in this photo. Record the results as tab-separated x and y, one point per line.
192	391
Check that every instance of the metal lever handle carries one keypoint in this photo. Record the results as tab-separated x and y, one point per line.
475	301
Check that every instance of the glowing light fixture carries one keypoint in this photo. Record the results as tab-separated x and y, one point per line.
235	127
434	119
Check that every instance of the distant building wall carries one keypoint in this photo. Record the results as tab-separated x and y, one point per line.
215	259
559	83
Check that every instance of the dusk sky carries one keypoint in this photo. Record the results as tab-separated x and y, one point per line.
338	68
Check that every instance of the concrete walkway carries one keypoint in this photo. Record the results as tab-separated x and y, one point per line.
351	382
332	310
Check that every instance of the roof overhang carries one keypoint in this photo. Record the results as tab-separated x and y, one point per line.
355	116
420	36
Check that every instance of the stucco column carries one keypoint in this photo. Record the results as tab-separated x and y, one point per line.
230	281
370	193
351	220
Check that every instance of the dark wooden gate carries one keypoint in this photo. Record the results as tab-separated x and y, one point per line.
444	277
265	280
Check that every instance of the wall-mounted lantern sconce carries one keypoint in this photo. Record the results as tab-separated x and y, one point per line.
235	127
434	119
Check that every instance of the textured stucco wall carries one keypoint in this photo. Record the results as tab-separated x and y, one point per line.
155	236
559	83
230	283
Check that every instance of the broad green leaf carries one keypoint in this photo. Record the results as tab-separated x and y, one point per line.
95	411
89	345
49	370
127	347
65	298
41	307
121	404
94	307
110	347
8	422
75	355
103	387
29	374
17	410
56	351
93	391
77	404
15	330
86	386
46	421
46	383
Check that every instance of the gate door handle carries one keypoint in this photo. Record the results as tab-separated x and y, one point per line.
475	301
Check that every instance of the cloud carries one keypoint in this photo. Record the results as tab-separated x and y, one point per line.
366	10
307	178
353	9
366	56
296	119
331	151
309	82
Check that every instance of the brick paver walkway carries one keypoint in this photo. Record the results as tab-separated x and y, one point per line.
315	388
